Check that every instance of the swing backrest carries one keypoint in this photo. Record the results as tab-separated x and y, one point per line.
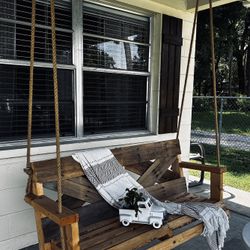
154	162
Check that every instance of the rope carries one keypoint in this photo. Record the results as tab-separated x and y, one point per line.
30	104
187	69
56	106
214	84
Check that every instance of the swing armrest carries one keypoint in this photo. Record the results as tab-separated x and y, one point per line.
216	177
203	167
49	208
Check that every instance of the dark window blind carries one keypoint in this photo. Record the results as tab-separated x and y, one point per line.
15	26
15	29
113	102
14	82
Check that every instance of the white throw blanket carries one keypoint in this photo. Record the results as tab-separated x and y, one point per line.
111	180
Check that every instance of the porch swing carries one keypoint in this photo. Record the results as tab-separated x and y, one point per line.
96	226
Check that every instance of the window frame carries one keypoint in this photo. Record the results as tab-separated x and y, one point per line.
15	142
78	68
77	24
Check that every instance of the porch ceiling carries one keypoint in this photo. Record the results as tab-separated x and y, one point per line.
189	5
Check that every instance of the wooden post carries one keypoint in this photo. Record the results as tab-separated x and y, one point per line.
37	188
72	236
216	186
40	234
176	168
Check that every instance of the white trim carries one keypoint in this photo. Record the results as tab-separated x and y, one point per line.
36	64
77	44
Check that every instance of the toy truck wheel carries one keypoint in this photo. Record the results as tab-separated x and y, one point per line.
156	225
125	223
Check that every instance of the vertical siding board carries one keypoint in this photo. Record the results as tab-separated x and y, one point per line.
170	73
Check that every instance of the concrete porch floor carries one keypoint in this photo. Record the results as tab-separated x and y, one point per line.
237	201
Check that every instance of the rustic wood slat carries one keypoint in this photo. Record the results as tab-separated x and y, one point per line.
145	152
99	225
80	191
137	237
100	230
49	208
145	180
142	239
169	176
37	189
179	239
108	238
176	166
139	168
39	229
203	167
72	236
164	190
45	171
216	187
156	171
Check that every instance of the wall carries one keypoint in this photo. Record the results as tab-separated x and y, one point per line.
17	227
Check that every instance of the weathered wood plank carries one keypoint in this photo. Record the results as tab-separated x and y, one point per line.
145	152
176	166
204	167
107	238
145	180
81	191
164	190
49	208
156	171
37	189
137	237
39	229
179	238
139	168
216	187
45	171
142	239
72	236
168	176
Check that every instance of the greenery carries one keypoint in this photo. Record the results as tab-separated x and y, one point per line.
131	199
237	163
232	51
205	121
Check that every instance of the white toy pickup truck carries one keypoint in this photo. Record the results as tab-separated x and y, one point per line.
148	214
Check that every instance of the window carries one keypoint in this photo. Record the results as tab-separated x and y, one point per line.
115	73
113	83
15	25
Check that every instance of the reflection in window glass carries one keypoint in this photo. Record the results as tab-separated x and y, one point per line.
104	53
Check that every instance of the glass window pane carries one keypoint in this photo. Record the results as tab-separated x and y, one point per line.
14	82
114	102
103	53
114	25
15	37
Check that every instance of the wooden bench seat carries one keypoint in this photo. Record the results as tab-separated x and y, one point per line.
159	170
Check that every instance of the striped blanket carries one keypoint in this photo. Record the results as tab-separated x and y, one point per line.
111	180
